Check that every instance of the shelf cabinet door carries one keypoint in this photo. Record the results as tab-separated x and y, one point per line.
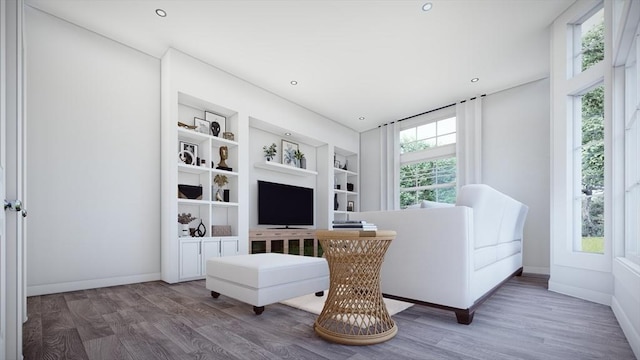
229	246
190	263
210	249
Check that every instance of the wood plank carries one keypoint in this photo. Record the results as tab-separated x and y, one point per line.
108	347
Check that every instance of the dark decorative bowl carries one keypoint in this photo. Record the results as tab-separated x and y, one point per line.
190	192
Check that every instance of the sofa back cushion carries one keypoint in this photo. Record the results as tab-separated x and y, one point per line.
497	218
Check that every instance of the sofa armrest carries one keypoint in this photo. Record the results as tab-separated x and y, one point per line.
430	259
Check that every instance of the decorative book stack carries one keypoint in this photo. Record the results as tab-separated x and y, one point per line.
354	225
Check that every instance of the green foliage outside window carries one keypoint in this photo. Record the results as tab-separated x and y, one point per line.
415	176
593	144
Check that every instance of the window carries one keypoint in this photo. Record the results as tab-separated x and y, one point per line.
632	154
428	135
588	137
589	172
428	165
588	42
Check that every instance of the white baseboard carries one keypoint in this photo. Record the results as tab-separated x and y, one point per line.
627	327
585	294
536	270
89	284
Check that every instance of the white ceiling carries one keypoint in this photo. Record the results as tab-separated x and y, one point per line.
382	60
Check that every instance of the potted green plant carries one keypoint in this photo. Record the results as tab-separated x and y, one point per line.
269	151
184	219
220	180
302	162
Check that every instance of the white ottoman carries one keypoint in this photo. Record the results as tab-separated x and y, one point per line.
263	279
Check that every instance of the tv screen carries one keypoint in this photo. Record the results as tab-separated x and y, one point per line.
284	205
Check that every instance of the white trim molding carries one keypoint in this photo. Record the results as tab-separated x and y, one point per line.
35	290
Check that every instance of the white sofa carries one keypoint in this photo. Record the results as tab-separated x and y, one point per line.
452	257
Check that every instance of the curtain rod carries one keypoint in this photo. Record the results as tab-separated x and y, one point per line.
430	111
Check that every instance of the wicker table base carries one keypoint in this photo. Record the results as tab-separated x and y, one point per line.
354	312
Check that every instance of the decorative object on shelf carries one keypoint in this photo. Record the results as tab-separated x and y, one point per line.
220	230
336	164
300	159
345	165
201	230
218	123
228	135
349	187
188	153
183	125
288	153
203	162
336	205
224	155
202	125
184	219
189	192
269	151
215	128
187	157
350	205
225	195
221	180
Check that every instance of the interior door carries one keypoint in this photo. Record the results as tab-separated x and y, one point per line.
3	121
12	180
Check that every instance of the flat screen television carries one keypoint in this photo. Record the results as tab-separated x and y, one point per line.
284	205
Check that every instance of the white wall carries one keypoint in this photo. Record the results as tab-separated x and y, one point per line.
256	106
259	138
93	162
370	161
515	160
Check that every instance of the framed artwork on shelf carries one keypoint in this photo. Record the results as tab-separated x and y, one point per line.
218	123
350	205
202	125
288	153
188	153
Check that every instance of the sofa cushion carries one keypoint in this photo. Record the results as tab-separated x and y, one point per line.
414	206
426	204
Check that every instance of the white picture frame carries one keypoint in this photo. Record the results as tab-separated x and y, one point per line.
188	153
216	119
202	126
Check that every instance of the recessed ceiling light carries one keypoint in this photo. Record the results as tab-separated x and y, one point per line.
293	82
161	13
427	6
287	134
361	118
475	80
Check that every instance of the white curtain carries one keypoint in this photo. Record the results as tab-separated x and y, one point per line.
469	141
389	166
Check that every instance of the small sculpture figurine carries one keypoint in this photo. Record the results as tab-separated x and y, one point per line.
224	154
215	128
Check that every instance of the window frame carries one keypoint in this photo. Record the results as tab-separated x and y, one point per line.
429	154
565	87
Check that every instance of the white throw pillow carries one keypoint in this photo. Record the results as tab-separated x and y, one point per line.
414	206
426	204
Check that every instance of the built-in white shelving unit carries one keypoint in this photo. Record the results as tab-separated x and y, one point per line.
345	184
184	257
287	169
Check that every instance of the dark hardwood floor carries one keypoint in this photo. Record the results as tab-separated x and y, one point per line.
156	320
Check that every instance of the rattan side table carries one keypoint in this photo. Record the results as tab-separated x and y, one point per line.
354	312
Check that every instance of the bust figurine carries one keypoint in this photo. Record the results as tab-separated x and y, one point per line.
224	154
